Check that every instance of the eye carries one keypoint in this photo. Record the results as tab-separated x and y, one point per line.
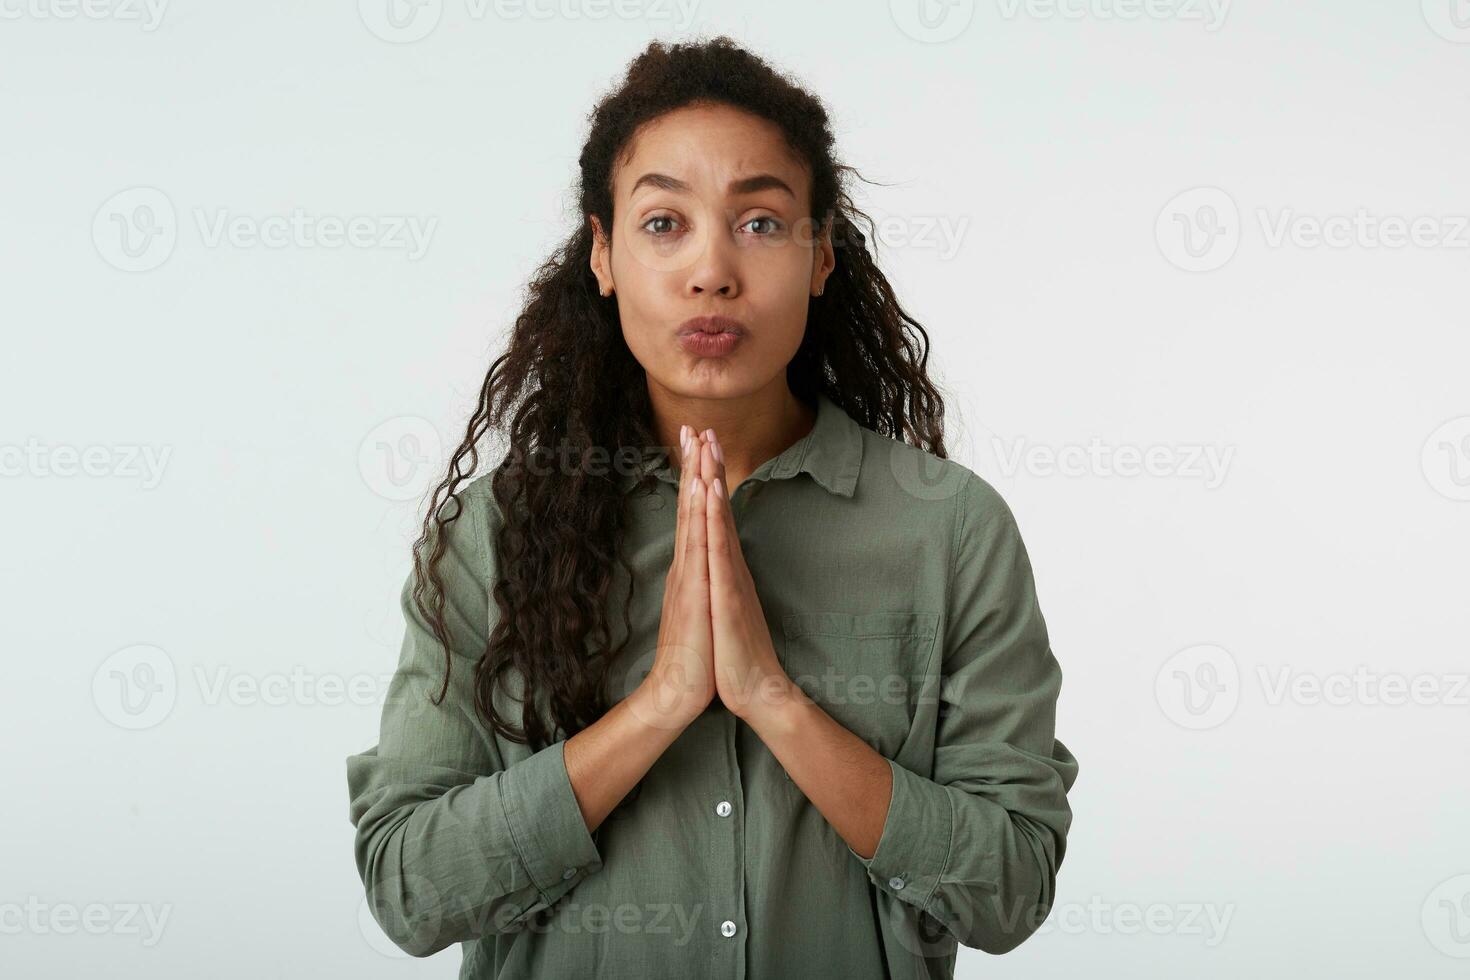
662	233
771	221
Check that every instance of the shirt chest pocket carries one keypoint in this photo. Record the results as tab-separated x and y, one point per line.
863	669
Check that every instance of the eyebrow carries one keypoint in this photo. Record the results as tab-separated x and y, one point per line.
743	185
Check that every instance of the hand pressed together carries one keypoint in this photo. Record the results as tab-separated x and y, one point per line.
748	675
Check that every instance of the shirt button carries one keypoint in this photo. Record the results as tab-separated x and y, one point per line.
727	928
723	808
895	883
569	874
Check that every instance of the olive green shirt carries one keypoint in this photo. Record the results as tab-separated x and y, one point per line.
899	595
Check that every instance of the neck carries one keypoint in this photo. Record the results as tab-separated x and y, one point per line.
752	428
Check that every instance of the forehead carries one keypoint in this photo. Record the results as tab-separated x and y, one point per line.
707	146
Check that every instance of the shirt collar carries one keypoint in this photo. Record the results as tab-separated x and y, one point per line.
831	453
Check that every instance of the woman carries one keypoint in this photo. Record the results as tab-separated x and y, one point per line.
777	701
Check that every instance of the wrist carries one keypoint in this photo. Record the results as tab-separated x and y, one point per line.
772	706
665	701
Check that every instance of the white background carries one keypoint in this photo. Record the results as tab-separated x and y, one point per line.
297	396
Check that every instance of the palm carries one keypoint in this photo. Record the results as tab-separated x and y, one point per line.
747	671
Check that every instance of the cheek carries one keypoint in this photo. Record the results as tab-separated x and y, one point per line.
645	306
641	332
778	284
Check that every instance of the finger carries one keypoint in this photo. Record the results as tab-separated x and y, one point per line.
723	597
718	535
681	515
716	454
696	563
710	465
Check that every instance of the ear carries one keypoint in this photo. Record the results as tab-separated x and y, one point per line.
601	260
824	258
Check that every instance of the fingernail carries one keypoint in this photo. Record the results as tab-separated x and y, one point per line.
719	488
693	487
719	453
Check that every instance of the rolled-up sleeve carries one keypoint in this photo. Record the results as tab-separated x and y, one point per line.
978	845
451	844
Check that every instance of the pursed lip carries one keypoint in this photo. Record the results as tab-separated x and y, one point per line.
711	324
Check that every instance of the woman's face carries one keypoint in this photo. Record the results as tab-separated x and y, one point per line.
711	219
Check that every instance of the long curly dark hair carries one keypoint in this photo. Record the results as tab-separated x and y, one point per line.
568	383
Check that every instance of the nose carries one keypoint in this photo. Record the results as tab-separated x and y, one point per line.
715	270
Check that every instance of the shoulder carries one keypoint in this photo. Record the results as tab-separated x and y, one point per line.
909	474
476	499
940	504
470	523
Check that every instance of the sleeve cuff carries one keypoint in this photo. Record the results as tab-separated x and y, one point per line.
550	834
913	850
